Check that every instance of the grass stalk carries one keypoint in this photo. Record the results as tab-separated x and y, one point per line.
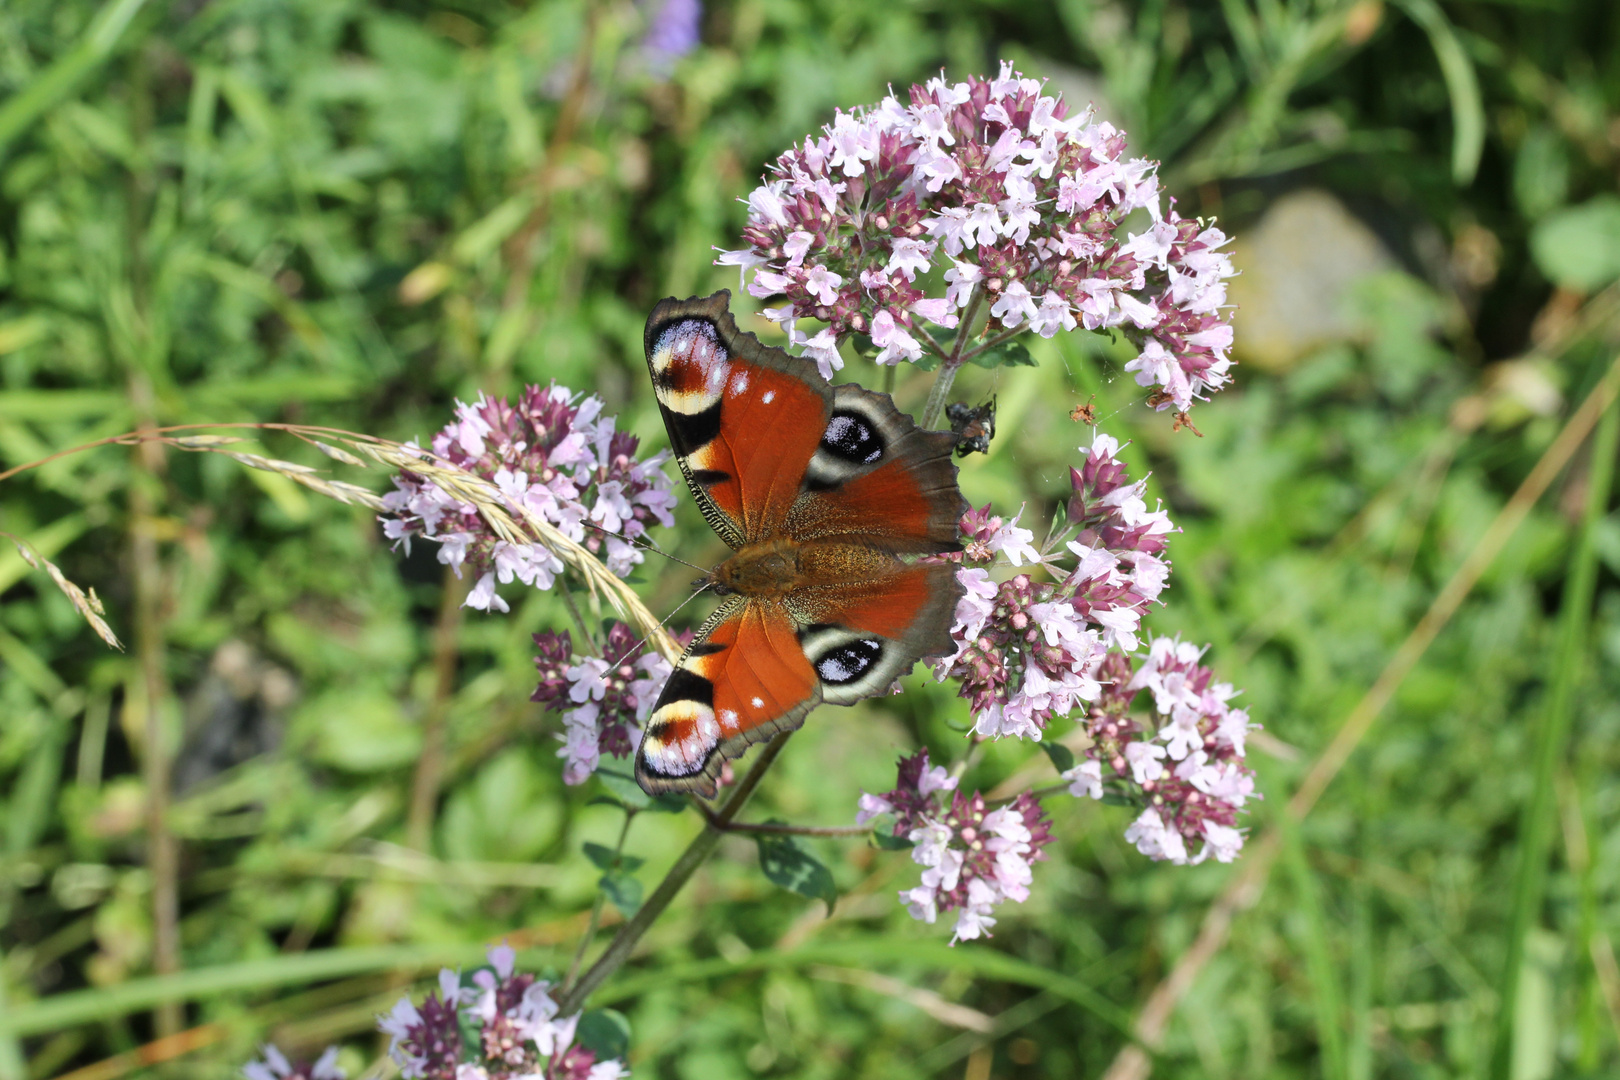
1326	999
1550	739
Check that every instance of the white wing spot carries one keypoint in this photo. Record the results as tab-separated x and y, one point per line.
758	703
739	383
768	397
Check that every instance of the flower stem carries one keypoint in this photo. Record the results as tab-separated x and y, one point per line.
1005	335
947	370
1036	793
618	950
579	618
777	829
597	908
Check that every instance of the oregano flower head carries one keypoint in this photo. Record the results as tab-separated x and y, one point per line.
986	192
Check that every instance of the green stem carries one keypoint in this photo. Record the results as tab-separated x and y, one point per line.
1004	336
1552	732
1039	793
947	370
596	908
579	618
618	950
777	829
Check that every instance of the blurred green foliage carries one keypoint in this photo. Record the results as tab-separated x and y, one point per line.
349	212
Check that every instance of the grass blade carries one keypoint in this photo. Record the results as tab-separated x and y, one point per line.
1551	735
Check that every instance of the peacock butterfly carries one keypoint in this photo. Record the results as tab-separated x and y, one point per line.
827	496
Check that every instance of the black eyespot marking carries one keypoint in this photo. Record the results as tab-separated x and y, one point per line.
709	477
852	438
847	663
707	648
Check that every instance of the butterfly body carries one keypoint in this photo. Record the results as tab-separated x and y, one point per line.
830	499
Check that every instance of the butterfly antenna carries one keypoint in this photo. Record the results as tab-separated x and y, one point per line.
664	622
646	544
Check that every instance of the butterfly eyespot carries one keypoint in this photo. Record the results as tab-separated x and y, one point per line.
847	663
852	438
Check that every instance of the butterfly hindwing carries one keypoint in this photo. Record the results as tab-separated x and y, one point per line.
742	680
760	665
875	475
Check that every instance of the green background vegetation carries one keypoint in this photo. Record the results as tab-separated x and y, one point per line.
347	212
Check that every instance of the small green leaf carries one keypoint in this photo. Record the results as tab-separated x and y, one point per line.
1062	757
624	788
623	890
787	864
1579	247
604	1032
1007	354
600	856
887	841
604	859
668	804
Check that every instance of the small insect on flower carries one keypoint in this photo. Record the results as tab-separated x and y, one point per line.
973	425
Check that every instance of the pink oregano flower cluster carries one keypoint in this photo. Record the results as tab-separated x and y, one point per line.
503	1027
1066	636
604	699
276	1066
1184	762
1029	647
555	454
973	857
1020	204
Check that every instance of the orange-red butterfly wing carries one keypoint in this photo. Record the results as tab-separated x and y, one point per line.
743	419
743	679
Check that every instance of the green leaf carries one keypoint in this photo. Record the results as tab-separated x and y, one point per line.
624	890
1579	248
668	804
625	789
627	795
606	859
604	1032
1007	354
1062	757
789	865
887	841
